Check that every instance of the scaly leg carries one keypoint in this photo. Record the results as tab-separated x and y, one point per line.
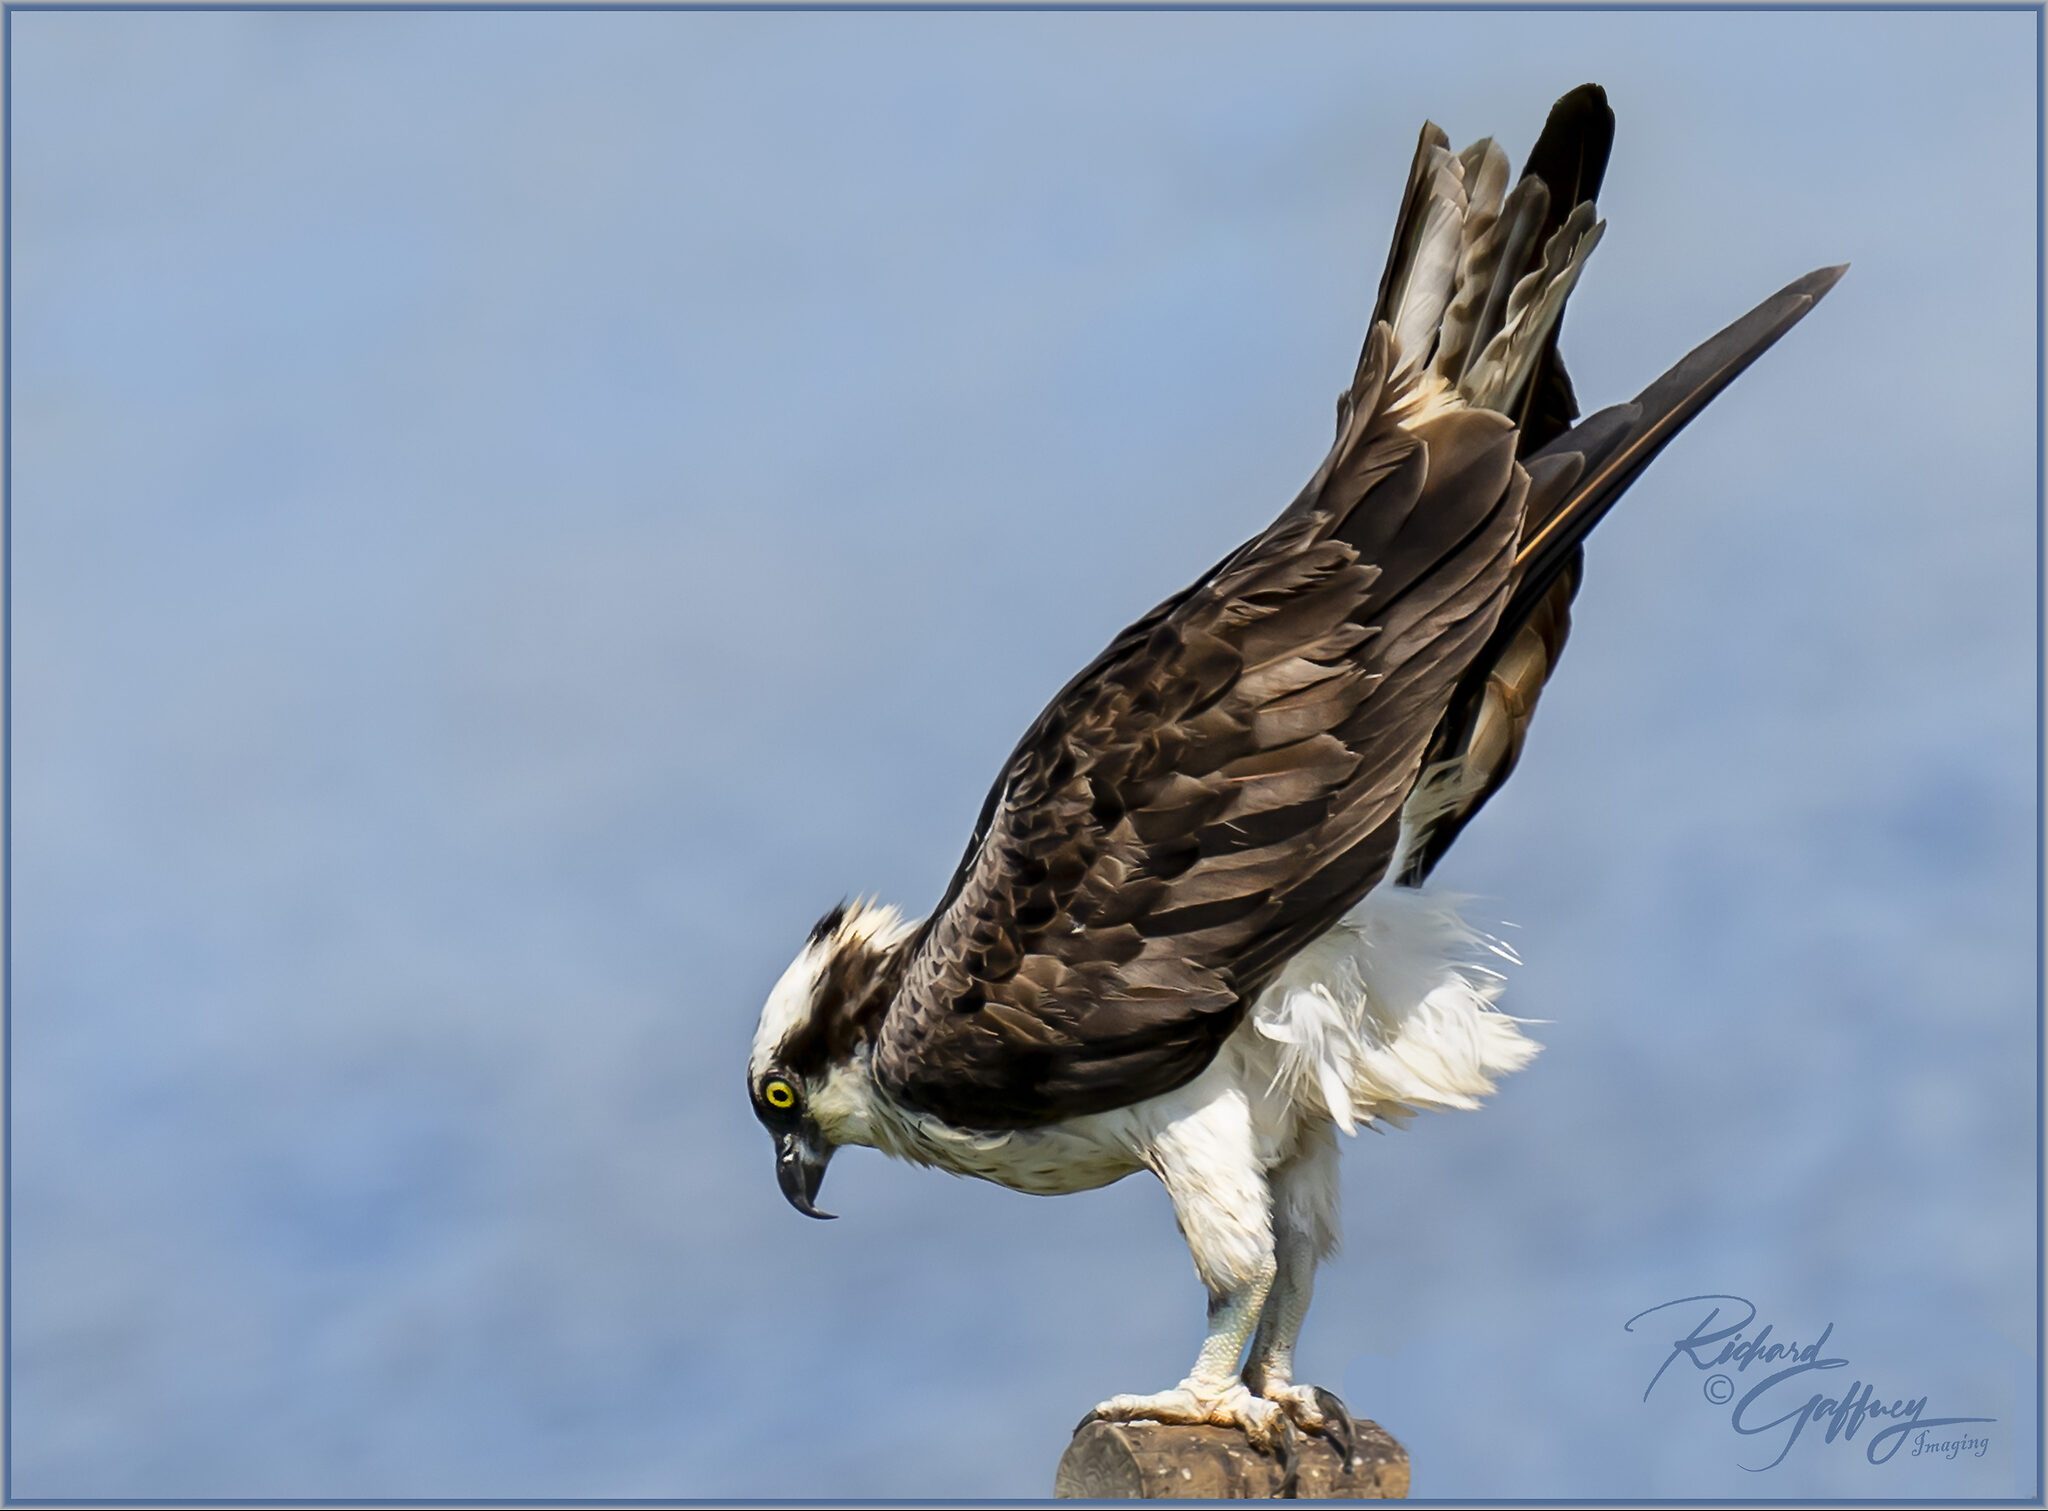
1304	1233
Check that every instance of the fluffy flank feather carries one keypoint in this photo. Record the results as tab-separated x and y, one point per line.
1393	1010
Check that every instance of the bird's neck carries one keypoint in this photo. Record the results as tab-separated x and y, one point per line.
851	1107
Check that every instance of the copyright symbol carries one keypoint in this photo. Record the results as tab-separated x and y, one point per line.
1720	1389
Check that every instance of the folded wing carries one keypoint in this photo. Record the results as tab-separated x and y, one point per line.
1218	787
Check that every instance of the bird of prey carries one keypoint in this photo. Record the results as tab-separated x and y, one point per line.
1191	932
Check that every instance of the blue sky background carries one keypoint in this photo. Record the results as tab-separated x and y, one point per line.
516	513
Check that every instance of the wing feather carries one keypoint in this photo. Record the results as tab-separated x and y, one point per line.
1215	789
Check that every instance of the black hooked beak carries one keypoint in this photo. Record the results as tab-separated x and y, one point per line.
800	1161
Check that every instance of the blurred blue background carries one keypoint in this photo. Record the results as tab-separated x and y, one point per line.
516	513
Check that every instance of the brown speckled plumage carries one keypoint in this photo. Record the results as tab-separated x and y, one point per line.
1229	777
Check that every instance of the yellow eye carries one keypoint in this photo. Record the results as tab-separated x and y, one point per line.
780	1095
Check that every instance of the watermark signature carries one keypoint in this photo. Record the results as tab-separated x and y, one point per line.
1769	1386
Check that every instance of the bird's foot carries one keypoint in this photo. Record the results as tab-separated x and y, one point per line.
1313	1409
1267	1424
1193	1402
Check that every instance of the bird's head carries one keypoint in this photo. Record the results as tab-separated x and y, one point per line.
807	1088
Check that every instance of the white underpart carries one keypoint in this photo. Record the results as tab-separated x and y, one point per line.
1391	1011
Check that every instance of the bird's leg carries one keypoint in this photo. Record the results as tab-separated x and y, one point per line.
1213	1391
1304	1231
1269	1373
1270	1369
1208	1161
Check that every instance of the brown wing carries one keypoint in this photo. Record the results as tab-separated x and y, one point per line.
1217	788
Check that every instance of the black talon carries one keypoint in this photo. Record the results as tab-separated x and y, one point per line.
1338	1426
1091	1417
1288	1453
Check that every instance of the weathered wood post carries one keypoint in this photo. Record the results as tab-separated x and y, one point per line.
1154	1461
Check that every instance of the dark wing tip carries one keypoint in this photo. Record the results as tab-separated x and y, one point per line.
1792	303
1819	281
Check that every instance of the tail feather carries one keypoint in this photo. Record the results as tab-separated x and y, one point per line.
1501	373
1486	233
1478	274
1476	746
1422	264
1570	156
1516	234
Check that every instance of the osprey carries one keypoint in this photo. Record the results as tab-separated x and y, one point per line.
1190	933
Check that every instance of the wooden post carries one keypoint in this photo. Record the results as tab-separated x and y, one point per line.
1154	1461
